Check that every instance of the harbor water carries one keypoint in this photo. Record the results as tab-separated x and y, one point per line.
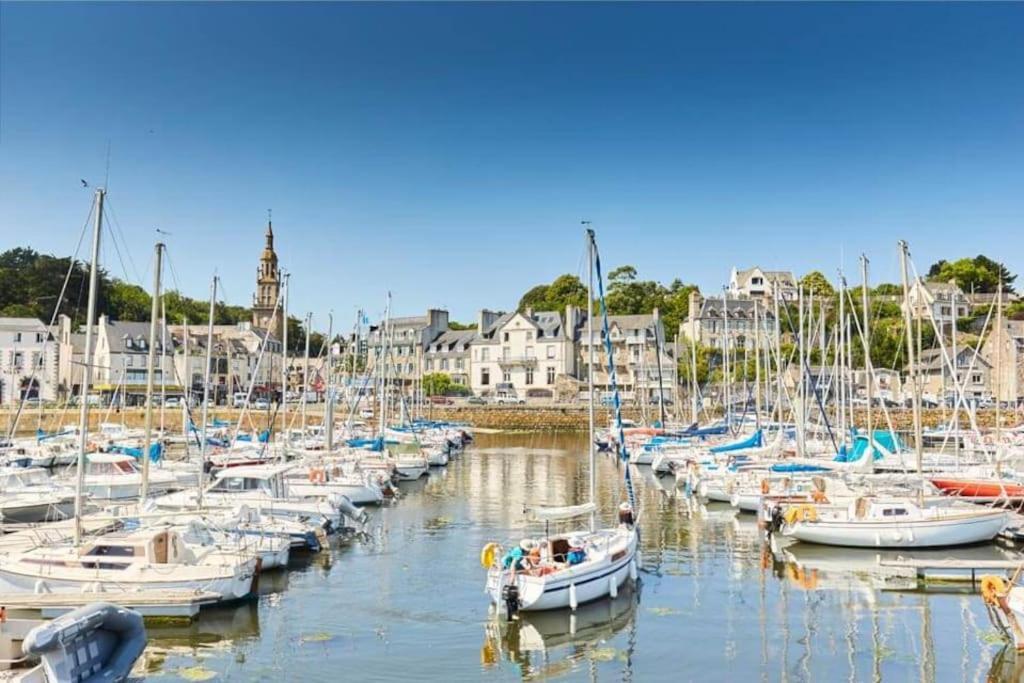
713	602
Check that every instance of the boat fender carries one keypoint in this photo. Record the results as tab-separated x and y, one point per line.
613	587
765	486
993	590
488	554
573	601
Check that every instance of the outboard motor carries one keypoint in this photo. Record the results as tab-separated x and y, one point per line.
350	510
510	594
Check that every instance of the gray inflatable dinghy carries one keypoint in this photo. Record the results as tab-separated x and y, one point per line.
97	643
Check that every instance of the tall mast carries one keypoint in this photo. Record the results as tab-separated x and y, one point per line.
908	321
693	371
305	373
998	385
592	490
154	312
206	389
330	385
757	366
865	336
778	351
83	420
187	386
801	386
383	362
956	389
284	366
163	362
726	378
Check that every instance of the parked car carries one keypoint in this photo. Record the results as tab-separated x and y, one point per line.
441	400
261	404
173	402
238	399
510	400
476	401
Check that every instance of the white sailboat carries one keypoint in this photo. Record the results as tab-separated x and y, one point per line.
567	570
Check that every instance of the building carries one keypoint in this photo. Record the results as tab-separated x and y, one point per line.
235	361
638	347
523	355
706	322
937	381
120	359
887	385
407	341
1003	349
945	302
267	312
29	366
755	283
450	353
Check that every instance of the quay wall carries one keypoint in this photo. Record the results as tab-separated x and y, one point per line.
511	418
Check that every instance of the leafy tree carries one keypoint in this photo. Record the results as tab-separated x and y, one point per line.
888	289
437	383
453	325
816	283
564	290
978	274
128	302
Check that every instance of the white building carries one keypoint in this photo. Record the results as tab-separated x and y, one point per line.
757	283
706	322
234	362
638	347
28	361
522	355
408	340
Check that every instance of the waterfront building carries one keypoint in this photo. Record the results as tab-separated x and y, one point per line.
706	321
234	361
408	340
638	345
973	371
29	365
119	362
450	354
523	355
757	283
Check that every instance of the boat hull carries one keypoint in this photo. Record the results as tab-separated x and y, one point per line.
912	534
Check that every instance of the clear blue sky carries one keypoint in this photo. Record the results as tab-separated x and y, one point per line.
448	152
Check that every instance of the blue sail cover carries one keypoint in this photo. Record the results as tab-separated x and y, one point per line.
155	451
885	439
753	441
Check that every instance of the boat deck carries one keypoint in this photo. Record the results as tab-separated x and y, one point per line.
151	604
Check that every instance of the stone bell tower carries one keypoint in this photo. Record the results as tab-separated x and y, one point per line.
268	286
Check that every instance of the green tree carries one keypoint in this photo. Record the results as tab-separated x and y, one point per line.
816	283
453	325
437	383
978	274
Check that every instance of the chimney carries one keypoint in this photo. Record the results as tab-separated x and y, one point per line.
695	302
570	321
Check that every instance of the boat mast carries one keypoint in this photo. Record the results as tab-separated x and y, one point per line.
865	336
154	312
383	363
187	382
590	374
693	372
840	360
83	420
908	321
329	412
284	365
206	390
726	378
998	384
956	390
757	366
778	352
800	394
305	374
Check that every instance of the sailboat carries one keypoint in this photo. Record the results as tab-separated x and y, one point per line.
568	570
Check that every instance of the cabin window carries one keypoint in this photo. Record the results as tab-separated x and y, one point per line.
894	512
112	551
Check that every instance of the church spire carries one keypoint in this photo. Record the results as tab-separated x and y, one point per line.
270	230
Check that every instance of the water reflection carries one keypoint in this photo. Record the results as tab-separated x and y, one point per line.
718	602
547	644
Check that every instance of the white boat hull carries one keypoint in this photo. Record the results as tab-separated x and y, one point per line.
907	534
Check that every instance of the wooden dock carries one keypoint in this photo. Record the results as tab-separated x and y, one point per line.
949	570
152	604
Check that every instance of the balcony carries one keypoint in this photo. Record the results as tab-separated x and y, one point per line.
517	361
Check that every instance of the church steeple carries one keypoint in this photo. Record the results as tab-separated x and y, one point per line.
268	287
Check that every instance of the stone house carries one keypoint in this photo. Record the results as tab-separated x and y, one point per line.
756	283
706	323
29	361
1003	349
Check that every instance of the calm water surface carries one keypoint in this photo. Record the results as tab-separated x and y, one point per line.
713	604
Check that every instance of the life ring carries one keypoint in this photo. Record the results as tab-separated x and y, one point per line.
488	555
993	588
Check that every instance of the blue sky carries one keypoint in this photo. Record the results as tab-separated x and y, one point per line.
448	152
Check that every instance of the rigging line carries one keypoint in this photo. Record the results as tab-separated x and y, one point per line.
120	233
117	250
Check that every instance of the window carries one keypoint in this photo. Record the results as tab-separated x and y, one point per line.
444	363
485	376
430	364
506	336
129	361
551	374
976	378
529	352
506	377
551	351
458	364
485	354
39	337
17	337
506	352
529	335
529	375
17	359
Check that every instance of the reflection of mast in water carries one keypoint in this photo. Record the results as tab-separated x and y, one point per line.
851	640
876	647
784	603
927	642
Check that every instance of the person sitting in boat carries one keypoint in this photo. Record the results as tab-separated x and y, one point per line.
576	554
516	558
